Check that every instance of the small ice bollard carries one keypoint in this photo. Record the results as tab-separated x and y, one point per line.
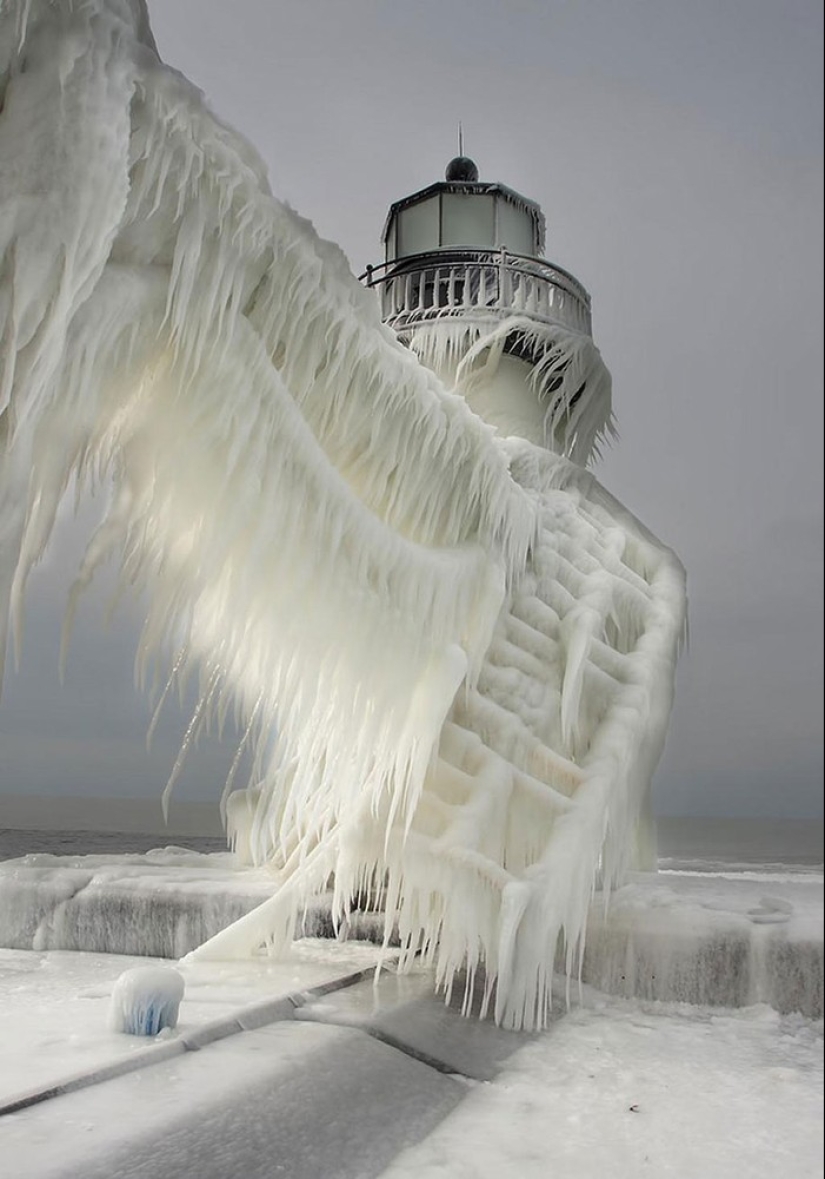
145	1000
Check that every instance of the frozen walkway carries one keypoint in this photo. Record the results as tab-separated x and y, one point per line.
344	1076
363	1083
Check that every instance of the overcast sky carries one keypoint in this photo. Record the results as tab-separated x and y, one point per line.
676	149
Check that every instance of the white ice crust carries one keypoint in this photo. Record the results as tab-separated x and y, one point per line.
450	655
146	1000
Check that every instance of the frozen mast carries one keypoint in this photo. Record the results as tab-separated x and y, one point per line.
464	283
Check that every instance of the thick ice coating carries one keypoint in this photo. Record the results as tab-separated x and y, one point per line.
451	656
146	1000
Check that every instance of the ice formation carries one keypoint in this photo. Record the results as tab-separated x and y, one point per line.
467	355
145	1000
451	656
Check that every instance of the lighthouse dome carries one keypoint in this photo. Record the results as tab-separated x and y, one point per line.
461	168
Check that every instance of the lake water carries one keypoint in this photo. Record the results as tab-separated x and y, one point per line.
707	845
692	845
20	842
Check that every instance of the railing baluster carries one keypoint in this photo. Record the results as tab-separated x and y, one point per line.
502	282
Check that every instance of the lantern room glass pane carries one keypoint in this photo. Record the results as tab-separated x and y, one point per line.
516	229
418	228
467	220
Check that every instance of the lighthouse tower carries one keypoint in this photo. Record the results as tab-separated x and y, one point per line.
464	283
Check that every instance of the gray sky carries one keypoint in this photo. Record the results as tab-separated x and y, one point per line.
676	149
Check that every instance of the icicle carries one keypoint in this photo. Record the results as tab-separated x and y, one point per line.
567	374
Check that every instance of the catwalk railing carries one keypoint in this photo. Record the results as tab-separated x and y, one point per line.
423	287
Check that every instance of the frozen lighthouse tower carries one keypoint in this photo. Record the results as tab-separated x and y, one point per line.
464	283
449	649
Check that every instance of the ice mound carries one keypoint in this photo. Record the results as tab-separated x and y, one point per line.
145	1000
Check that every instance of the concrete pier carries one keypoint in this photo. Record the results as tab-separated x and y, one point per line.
716	940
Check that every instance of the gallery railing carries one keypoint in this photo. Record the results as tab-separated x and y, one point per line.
474	283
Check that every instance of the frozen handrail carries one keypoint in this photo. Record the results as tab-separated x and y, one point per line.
422	287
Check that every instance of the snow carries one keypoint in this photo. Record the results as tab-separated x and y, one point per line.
146	1000
301	1100
612	1087
163	904
723	939
464	646
627	1089
54	1005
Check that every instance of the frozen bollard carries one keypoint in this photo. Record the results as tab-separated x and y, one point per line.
145	1000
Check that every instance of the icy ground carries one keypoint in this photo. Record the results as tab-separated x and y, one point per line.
628	1089
54	1005
613	1088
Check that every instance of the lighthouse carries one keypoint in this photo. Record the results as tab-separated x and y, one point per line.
465	284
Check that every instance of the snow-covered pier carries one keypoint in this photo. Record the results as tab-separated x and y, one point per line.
716	940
